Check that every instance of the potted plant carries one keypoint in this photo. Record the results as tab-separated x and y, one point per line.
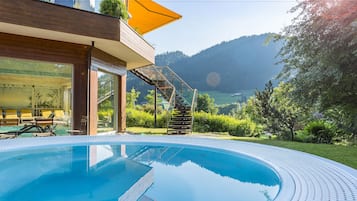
115	8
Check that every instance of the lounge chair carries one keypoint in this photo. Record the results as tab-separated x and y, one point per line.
47	134
7	136
11	118
45	124
40	127
59	114
1	118
26	115
60	118
46	113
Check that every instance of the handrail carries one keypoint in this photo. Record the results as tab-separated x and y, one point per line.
105	96
176	76
194	97
174	89
171	105
194	100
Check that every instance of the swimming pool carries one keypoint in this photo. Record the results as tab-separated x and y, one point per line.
107	172
168	168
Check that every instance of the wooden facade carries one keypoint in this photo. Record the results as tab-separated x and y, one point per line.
53	33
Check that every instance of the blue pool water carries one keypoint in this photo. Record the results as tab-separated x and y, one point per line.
125	172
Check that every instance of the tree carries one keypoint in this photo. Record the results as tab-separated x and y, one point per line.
277	108
115	8
150	98
132	97
206	104
320	55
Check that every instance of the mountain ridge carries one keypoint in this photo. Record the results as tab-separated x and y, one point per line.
244	63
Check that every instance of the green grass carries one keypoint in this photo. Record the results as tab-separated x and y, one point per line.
340	153
344	154
141	130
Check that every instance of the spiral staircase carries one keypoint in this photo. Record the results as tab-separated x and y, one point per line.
180	96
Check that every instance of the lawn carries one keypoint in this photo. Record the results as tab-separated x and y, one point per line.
340	153
141	130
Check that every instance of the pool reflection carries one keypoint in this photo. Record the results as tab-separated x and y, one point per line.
125	172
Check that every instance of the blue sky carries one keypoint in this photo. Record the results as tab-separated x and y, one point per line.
205	23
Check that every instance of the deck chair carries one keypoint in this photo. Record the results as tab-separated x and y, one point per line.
59	114
1	118
83	128
46	113
60	117
11	118
40	127
26	115
7	136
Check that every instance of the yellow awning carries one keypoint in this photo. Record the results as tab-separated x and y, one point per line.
146	15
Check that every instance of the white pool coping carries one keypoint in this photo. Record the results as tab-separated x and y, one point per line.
304	176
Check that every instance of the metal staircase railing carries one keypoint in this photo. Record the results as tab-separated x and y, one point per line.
105	96
106	90
177	92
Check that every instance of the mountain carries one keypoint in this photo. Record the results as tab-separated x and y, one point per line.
168	58
244	63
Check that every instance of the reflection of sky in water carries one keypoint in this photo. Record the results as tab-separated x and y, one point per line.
200	174
99	172
192	182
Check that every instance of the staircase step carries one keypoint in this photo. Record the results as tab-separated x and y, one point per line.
183	108
183	126
164	87
182	115
180	123
179	127
178	132
185	113
180	119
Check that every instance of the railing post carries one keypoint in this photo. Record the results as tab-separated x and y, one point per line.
155	107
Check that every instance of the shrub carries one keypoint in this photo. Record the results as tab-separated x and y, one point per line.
144	119
205	122
302	136
321	131
115	8
139	118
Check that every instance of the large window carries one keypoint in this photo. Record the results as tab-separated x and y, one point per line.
36	88
106	101
108	94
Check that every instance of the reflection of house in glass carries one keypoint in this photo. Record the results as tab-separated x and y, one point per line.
61	57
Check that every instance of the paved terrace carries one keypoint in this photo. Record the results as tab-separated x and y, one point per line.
304	176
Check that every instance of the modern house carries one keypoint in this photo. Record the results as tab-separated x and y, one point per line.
56	55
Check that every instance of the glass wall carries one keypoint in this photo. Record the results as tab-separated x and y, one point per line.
36	89
106	101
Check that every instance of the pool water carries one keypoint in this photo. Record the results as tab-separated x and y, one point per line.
134	171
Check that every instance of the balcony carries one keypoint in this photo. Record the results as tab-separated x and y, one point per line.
60	23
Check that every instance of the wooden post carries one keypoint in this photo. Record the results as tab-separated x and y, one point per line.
93	102
155	107
122	104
